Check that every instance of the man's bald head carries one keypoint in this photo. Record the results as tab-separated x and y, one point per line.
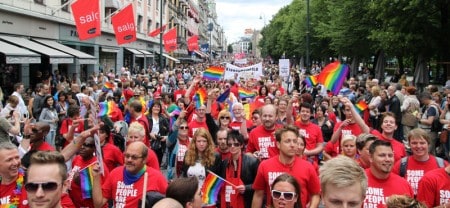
167	203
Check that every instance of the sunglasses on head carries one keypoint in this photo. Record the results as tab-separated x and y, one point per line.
184	127
224	117
233	144
48	186
288	196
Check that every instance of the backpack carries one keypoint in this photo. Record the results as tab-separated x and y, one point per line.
404	163
436	126
119	141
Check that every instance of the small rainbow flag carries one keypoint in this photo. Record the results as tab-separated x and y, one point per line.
311	81
333	76
213	73
86	181
175	111
361	106
106	108
200	97
211	188
107	87
244	93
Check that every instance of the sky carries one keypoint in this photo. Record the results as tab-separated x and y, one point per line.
237	15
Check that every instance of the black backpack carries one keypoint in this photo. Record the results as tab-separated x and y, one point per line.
118	140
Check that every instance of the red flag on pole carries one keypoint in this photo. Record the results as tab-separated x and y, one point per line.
170	40
193	43
157	31
86	14
123	24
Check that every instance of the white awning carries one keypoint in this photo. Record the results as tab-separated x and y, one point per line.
110	50
56	57
204	55
83	58
135	52
146	53
17	55
171	58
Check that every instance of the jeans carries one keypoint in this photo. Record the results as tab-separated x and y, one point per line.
50	138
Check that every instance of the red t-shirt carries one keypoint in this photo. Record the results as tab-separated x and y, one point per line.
178	94
434	188
128	94
351	129
302	170
236	125
312	134
263	141
379	190
332	149
65	126
112	156
223	155
142	119
7	193
152	159
129	195
399	148
194	125
415	170
44	147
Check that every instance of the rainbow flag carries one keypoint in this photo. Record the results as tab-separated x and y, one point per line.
244	93
213	73
200	97
107	87
86	182
311	81
333	76
106	108
211	188
361	106
174	110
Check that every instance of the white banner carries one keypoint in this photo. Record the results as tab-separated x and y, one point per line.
240	61
235	72
283	67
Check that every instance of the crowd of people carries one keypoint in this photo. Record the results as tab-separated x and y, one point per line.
120	140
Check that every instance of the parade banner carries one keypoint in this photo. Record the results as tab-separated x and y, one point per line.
86	14
241	61
283	67
123	24
157	31
235	72
170	40
193	43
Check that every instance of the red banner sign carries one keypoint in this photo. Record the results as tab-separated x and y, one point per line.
87	18
157	31
123	24
170	40
193	43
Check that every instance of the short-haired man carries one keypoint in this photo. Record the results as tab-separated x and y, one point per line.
198	120
343	183
125	183
222	147
287	162
136	112
18	90
382	182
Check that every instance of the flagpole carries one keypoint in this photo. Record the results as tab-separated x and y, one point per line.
87	166
62	6
223	179
144	189
115	12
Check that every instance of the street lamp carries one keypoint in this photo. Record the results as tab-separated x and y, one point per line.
307	36
161	37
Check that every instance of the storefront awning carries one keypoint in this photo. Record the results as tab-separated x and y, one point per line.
171	58
17	55
110	50
56	57
146	53
83	58
135	52
203	55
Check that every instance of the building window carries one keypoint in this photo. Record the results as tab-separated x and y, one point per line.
149	25
149	2
65	8
139	24
39	2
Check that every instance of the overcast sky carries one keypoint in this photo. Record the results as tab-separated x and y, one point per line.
237	15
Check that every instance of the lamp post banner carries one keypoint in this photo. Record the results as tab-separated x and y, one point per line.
193	43
170	40
235	72
86	14
123	24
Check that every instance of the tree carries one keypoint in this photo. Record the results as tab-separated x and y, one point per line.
230	49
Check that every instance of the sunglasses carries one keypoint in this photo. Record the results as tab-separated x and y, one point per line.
288	196
133	157
184	127
35	130
233	144
88	145
46	187
224	117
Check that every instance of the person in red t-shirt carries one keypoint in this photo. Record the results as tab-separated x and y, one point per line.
112	156
179	93
69	128
125	184
136	112
287	162
388	126
198	121
261	140
136	134
434	188
420	162
382	183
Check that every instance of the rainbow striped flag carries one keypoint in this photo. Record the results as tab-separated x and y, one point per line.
244	93
211	188
86	182
106	108
311	81
200	97
333	76
213	73
107	87
174	110
361	106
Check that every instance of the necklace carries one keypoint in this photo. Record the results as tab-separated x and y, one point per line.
15	198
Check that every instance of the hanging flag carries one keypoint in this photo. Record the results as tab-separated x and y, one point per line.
192	43
107	87
333	76
157	31
223	96
311	81
200	97
361	106
213	73
86	14
123	24
170	40
244	93
86	181
211	188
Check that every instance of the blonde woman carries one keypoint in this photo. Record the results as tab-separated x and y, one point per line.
348	146
136	133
